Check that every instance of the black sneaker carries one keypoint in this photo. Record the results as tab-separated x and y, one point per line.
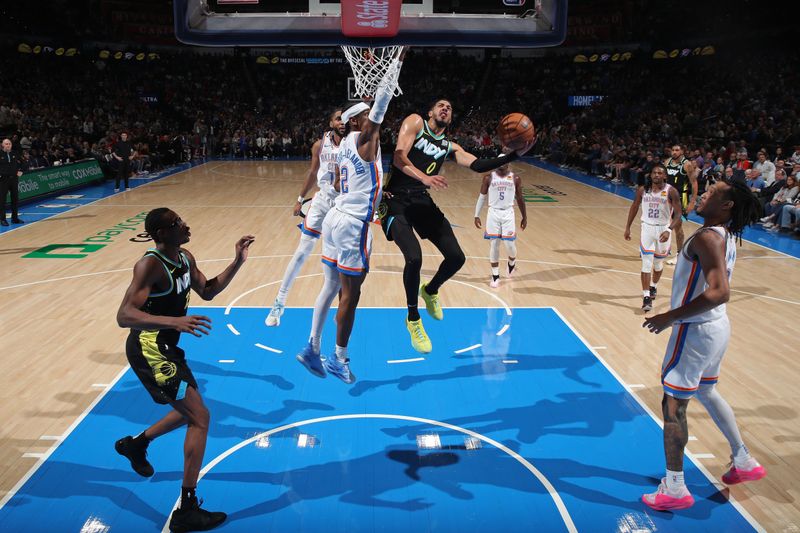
190	517
647	304
653	292
137	455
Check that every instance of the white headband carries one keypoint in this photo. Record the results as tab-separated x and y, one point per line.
354	110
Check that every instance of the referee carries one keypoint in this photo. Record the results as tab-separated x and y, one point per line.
10	171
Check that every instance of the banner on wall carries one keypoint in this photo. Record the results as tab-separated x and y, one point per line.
284	60
49	180
603	57
584	100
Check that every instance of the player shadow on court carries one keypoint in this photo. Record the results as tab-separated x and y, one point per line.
553	274
71	480
17	251
199	367
130	402
605	255
584	297
580	414
489	365
449	470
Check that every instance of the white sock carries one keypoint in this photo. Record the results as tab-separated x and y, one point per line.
304	249
675	481
341	353
330	288
315	342
496	272
646	293
722	415
653	285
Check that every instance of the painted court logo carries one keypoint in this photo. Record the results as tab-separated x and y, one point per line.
89	244
374	13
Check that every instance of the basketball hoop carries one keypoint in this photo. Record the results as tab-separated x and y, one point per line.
371	65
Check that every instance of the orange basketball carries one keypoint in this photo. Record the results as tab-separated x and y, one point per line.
516	131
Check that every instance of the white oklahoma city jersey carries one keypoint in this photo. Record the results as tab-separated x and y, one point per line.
360	182
501	191
656	209
689	281
326	174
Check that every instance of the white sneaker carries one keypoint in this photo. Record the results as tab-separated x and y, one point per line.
275	314
116	190
494	283
766	218
769	225
671	261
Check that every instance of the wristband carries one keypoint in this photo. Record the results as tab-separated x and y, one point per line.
485	165
300	199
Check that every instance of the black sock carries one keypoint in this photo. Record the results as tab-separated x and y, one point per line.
413	313
495	278
141	440
430	291
187	496
511	267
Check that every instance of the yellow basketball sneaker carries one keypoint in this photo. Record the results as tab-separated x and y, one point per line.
431	302
419	339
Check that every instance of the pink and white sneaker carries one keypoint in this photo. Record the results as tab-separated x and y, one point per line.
662	500
751	472
494	283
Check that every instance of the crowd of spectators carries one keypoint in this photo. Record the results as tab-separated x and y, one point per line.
187	105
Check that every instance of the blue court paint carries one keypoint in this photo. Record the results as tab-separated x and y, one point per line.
784	243
558	407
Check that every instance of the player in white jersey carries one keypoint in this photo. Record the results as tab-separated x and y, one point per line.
661	213
700	335
346	239
322	170
502	187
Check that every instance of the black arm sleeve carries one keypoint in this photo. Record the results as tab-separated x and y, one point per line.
485	165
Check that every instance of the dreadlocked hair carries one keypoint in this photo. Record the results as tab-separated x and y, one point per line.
746	208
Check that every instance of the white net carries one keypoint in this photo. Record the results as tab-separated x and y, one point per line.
371	65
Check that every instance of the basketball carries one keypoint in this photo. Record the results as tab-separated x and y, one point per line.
516	131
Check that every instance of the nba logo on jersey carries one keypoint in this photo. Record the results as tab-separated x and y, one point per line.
514	2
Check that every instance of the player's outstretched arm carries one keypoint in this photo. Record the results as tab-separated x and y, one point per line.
523	209
311	177
692	172
487	179
209	288
466	159
637	201
370	141
148	273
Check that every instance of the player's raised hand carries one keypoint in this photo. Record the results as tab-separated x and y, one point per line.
435	182
197	325
478	222
243	247
525	149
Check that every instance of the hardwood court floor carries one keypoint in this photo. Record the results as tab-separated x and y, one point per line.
60	343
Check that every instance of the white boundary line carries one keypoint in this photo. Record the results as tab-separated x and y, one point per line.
747	516
468	348
267	348
412	360
562	509
233	329
11	493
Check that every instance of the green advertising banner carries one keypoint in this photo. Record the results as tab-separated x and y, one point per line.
53	179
